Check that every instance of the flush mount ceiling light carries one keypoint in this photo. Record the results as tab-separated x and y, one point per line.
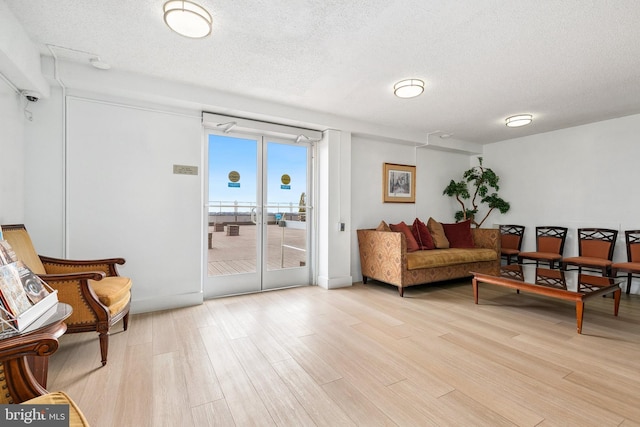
408	88
187	18
519	120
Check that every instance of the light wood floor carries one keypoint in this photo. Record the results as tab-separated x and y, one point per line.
363	356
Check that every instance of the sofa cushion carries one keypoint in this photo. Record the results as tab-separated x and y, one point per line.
445	257
412	245
437	233
421	233
459	234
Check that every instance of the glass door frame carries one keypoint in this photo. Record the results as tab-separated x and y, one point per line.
262	279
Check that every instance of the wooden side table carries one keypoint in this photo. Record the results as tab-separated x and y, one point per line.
25	356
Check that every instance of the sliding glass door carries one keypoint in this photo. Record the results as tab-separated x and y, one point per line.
257	214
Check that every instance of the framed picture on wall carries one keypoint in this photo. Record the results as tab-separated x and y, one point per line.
398	183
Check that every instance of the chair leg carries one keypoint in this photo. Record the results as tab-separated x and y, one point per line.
104	346
125	321
628	283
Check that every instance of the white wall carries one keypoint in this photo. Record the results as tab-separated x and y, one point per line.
124	200
434	170
578	177
11	155
44	175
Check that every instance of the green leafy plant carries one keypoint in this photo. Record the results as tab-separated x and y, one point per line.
485	184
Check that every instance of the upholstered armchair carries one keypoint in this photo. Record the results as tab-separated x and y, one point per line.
100	297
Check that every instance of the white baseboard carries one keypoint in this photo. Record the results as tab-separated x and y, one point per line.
166	302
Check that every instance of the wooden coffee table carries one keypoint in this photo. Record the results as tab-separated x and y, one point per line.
564	285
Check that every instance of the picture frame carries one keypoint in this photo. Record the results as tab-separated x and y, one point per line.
398	183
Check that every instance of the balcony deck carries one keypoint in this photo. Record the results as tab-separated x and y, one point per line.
237	254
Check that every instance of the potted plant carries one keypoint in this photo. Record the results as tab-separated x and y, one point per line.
485	184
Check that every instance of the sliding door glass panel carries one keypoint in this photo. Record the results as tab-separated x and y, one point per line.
257	214
286	194
233	206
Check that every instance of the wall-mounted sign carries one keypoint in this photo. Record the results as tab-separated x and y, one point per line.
234	176
185	170
285	187
234	184
285	179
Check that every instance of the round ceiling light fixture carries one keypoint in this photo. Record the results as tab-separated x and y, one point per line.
187	18
519	120
408	88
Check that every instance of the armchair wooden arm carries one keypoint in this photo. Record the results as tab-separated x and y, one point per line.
18	379
58	265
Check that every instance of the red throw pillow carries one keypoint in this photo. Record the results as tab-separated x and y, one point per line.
422	235
412	245
459	234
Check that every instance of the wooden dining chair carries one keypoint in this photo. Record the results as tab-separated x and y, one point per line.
632	266
511	241
549	246
595	250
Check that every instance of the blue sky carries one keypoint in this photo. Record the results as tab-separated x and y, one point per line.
228	154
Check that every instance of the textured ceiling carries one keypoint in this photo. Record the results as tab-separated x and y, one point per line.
567	62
